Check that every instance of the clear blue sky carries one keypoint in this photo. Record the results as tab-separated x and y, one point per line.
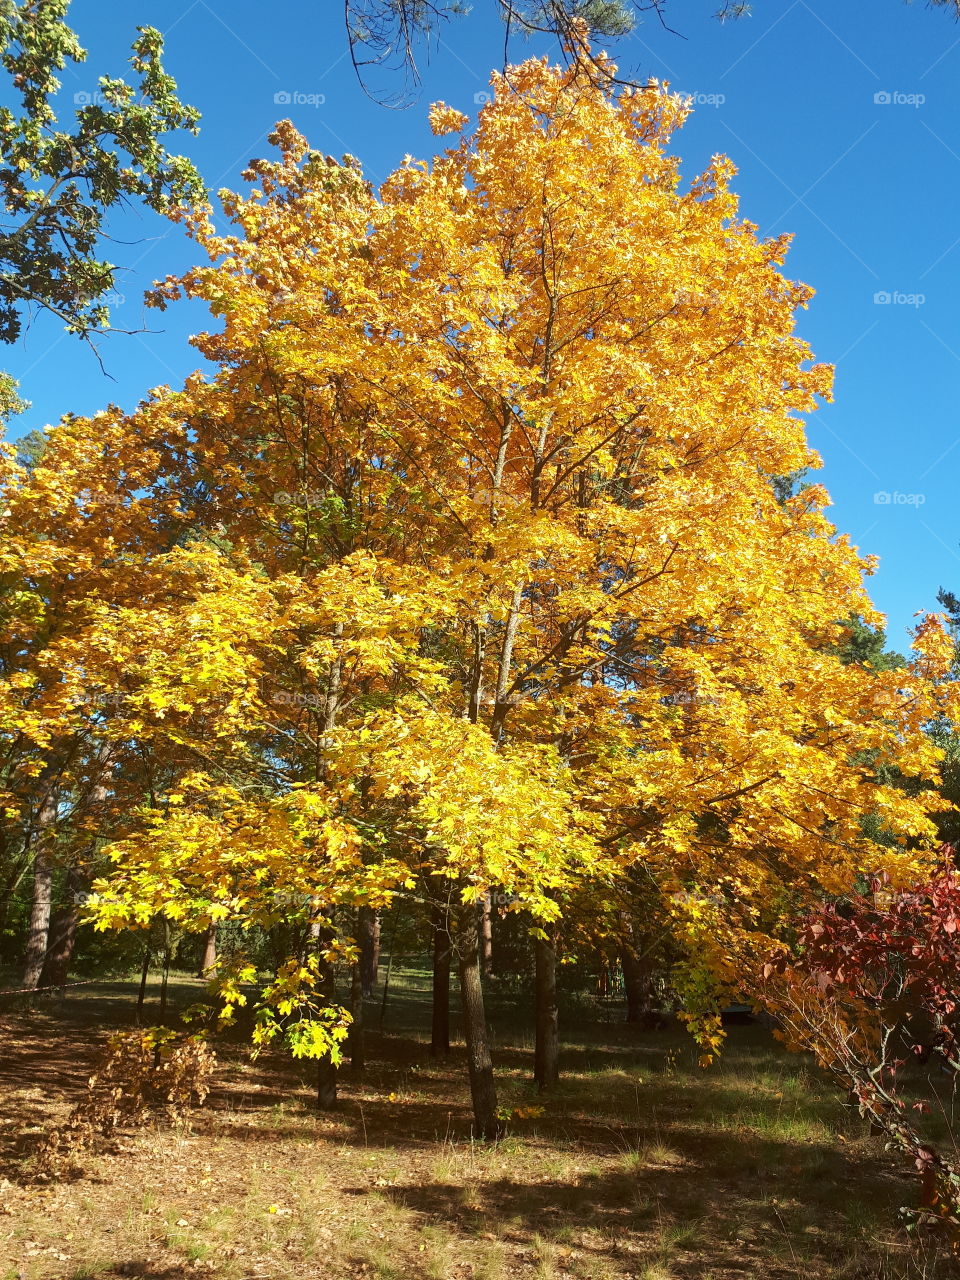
843	122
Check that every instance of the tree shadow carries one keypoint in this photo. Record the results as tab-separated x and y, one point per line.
684	1212
138	1269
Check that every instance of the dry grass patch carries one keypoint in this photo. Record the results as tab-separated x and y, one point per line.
641	1165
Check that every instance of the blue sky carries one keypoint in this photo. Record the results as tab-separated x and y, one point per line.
842	120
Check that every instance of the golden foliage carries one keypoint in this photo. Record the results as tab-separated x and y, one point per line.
467	558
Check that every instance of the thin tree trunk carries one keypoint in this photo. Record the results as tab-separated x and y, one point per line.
208	962
486	936
375	961
502	702
355	1044
166	974
10	886
38	933
546	1068
440	1025
144	971
393	951
483	1091
63	933
163	988
326	1067
63	924
368	926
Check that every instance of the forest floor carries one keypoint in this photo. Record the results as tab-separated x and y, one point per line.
642	1164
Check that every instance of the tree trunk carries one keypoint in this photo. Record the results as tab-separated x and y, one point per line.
486	936
326	1067
144	971
638	987
63	933
163	989
326	1084
440	1031
546	1069
369	941
355	1044
483	1091
38	935
9	887
208	962
164	981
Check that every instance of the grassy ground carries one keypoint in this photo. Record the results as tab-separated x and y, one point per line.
642	1165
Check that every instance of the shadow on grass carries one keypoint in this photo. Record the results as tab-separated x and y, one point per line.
696	1217
135	1268
648	1161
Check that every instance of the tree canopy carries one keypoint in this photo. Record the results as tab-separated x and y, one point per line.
467	564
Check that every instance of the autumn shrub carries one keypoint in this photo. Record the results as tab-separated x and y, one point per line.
873	990
145	1073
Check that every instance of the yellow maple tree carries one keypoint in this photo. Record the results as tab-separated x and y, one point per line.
488	577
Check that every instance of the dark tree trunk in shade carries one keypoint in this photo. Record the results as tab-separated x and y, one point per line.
486	935
440	1025
142	994
10	885
63	933
38	930
163	988
638	986
546	1066
355	1046
208	961
633	983
483	1090
63	922
326	1067
368	929
326	1084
